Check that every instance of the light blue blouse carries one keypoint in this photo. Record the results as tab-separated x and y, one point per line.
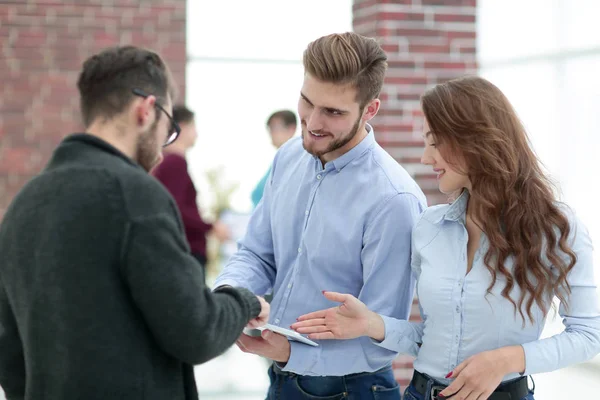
459	320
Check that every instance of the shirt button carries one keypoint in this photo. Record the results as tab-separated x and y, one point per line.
306	212
290	286
319	177
277	321
299	250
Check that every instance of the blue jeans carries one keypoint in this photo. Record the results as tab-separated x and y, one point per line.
411	394
378	385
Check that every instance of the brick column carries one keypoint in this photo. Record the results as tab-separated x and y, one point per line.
44	45
427	42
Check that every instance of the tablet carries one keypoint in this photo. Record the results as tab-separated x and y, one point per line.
290	334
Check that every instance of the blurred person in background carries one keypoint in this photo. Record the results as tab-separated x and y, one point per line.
100	297
337	212
173	173
488	265
282	127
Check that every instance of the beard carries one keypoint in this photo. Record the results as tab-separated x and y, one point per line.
334	145
149	154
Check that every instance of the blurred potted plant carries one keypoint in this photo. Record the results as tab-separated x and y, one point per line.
222	192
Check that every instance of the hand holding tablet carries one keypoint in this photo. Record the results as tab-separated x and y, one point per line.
290	334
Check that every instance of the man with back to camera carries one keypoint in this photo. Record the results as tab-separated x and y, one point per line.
100	297
337	215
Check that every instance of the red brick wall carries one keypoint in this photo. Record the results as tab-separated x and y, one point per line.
427	42
44	43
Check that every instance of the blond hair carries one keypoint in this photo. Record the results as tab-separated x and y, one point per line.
348	58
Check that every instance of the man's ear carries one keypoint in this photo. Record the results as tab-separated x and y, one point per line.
145	111
371	110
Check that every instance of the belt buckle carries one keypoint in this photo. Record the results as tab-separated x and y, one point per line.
435	391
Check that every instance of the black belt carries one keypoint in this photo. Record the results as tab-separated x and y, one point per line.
513	390
277	369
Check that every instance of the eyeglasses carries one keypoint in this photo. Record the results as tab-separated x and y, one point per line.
174	129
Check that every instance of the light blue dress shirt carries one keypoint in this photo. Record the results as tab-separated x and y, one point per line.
344	227
459	320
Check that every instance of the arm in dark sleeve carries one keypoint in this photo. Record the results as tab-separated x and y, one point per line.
187	320
12	360
173	174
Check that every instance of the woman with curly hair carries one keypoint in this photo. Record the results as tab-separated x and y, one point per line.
488	265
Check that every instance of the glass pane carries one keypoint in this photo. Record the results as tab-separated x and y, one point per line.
262	29
232	102
580	19
581	142
515	28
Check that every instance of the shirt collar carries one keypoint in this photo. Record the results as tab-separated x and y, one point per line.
458	209
365	144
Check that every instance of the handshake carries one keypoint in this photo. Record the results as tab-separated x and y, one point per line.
260	323
263	317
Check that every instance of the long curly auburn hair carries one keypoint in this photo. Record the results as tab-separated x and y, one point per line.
475	126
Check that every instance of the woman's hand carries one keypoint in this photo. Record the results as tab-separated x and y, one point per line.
349	320
478	376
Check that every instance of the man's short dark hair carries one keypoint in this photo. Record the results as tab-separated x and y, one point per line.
288	117
182	114
107	79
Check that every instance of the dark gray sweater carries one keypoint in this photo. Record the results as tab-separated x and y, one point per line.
99	295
